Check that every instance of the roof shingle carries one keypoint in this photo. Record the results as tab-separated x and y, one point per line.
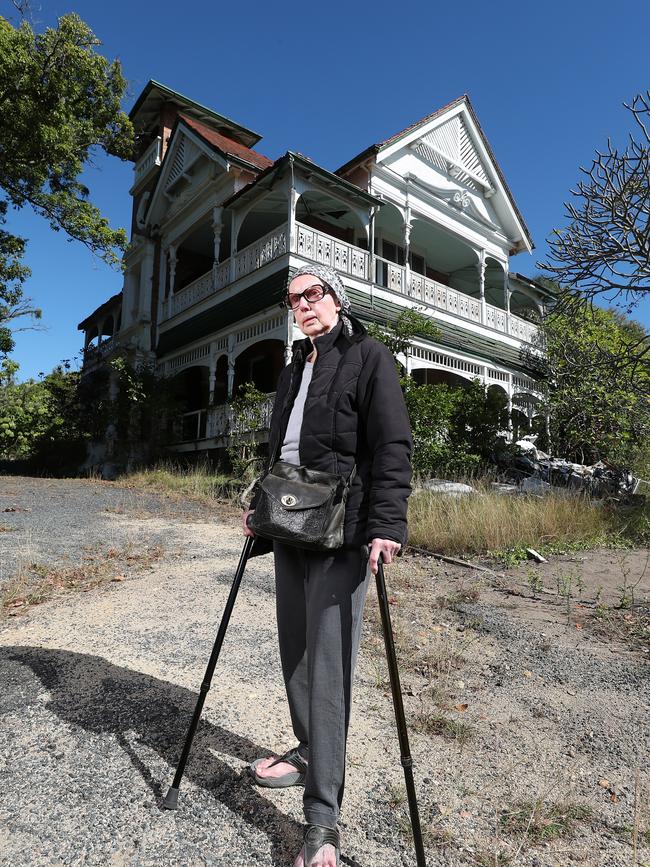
227	145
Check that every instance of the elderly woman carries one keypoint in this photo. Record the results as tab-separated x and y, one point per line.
338	406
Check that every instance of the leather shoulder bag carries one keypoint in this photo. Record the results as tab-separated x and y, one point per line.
301	507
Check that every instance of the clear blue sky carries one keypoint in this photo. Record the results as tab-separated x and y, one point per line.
546	79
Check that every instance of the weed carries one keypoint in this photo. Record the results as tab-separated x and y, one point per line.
436	837
442	726
458	597
629	626
396	795
433	835
509	557
535	582
538	821
565	583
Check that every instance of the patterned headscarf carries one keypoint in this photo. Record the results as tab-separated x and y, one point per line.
329	277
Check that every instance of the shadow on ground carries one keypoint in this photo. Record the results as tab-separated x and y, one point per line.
91	693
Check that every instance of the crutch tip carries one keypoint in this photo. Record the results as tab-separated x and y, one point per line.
171	799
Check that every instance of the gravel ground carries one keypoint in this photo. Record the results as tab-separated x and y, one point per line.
98	688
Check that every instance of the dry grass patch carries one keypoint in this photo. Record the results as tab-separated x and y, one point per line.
436	724
539	821
197	482
36	583
485	521
631	626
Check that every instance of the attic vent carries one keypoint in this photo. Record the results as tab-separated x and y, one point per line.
446	138
178	165
452	140
468	155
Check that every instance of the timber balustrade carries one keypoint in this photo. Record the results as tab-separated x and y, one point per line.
355	262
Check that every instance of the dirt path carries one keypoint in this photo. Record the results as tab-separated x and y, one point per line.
530	736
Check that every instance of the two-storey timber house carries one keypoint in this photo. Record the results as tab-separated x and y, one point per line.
422	219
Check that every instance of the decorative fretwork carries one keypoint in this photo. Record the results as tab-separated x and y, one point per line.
444	298
262	252
222	423
327	250
260	328
186	359
522	330
447	361
196	291
524	383
498	375
495	317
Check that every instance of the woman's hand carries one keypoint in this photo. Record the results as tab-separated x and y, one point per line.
387	548
244	518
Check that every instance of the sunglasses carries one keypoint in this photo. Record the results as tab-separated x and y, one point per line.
312	294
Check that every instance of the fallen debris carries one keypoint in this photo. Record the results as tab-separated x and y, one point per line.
536	472
534	555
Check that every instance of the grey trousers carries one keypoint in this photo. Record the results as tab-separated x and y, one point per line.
319	601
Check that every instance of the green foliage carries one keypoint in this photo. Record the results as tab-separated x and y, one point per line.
454	429
41	421
247	410
60	103
144	402
599	405
397	335
24	412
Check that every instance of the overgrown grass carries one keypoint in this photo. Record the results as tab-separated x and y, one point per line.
198	482
487	521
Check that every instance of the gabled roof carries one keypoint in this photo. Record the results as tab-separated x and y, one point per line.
226	145
214	146
268	177
375	149
148	104
98	311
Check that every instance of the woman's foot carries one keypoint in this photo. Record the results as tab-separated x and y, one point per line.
325	857
268	769
321	848
273	772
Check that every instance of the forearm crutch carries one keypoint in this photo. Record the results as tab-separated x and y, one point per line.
402	733
171	798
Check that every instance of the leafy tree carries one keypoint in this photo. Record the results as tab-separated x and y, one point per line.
24	412
144	403
247	409
455	430
598	409
397	335
60	102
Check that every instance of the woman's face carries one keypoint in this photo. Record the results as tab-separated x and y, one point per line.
317	317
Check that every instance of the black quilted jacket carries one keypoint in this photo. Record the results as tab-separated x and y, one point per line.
354	413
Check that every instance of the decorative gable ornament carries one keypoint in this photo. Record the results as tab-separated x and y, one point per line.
450	149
